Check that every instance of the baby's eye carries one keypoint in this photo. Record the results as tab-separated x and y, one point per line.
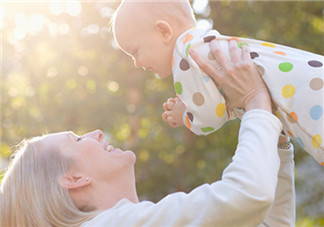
78	139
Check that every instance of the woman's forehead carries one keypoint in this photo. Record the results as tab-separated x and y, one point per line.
60	138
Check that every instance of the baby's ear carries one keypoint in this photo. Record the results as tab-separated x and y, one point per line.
165	29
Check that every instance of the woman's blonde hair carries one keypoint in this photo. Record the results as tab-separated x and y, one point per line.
30	192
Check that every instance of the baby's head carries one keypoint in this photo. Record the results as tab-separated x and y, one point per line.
147	31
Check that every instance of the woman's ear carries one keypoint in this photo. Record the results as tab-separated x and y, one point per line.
71	181
165	29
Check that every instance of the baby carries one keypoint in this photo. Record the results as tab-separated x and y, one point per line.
158	35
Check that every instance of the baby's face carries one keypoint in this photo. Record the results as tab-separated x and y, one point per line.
140	40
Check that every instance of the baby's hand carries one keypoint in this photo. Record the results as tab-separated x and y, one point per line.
174	109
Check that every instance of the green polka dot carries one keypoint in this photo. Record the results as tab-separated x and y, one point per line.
178	88
187	48
207	129
240	44
285	67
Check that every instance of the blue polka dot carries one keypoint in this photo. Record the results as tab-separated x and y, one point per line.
205	78
316	112
300	142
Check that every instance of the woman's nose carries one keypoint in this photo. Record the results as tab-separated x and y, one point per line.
97	134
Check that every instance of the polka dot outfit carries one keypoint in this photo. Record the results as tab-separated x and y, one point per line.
295	79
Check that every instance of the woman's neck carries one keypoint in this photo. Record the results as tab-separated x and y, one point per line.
108	194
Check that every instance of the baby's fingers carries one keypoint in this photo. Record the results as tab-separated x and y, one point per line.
170	105
167	116
165	106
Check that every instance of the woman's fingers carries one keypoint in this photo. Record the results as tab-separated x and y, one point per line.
238	78
235	57
246	55
218	54
205	66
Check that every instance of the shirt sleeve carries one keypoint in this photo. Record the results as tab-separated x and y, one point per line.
283	209
243	195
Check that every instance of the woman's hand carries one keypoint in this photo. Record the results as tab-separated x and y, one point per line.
238	77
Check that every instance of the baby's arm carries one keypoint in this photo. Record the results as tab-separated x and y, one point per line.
174	109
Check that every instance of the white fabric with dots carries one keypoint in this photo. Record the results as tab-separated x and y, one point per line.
295	79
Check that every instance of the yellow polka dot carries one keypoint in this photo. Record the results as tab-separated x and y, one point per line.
288	91
268	44
317	141
220	109
277	114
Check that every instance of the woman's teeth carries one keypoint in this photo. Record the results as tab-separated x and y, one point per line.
109	148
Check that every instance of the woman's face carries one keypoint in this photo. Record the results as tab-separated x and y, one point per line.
93	156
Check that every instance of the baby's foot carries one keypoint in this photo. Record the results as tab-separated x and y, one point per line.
174	109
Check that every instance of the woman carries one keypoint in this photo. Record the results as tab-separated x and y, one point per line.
65	180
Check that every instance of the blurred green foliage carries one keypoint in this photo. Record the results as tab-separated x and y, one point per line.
61	71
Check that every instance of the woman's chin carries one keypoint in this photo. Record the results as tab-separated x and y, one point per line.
132	155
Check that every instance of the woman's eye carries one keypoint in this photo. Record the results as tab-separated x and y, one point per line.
78	139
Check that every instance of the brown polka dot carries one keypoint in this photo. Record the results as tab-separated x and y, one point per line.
207	39
210	56
184	65
315	63
316	84
254	55
190	116
198	99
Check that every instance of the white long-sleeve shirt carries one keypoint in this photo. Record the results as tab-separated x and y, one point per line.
241	198
283	209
